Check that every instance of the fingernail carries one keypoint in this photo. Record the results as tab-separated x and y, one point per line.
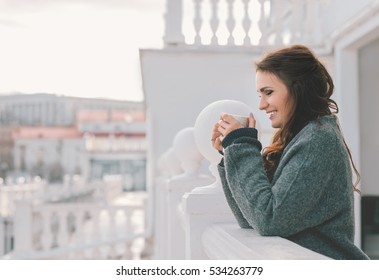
251	115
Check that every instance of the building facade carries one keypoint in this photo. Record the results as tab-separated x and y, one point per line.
53	136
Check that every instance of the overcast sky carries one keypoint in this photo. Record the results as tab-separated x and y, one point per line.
86	48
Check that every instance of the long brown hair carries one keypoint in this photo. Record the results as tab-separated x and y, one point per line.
310	86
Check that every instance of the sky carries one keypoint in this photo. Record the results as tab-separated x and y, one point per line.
85	48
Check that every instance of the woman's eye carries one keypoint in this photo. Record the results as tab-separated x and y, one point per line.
269	92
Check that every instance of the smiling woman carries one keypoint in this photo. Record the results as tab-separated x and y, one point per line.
82	48
300	187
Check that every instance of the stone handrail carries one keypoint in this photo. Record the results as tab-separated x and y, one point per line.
230	242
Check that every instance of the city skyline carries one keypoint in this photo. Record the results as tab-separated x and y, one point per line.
94	54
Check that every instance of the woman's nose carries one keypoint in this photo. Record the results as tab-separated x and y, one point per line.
262	103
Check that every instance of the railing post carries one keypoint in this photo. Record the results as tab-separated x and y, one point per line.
172	164
173	23
23	227
188	154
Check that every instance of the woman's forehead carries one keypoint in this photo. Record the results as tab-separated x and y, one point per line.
266	79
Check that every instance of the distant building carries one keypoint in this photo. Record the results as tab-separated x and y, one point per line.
53	136
55	110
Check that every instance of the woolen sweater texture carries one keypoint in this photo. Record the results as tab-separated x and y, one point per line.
310	199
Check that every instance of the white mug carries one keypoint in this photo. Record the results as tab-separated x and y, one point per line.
243	120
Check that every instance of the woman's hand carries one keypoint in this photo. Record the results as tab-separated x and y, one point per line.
227	124
224	126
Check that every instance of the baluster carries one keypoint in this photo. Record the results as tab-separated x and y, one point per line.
79	220
11	233
277	21
246	23
62	238
96	236
147	250
173	23
22	223
112	232
316	23
54	228
197	21
87	233
230	22
37	231
47	236
262	23
79	232
297	16
112	253
112	222
215	21
129	230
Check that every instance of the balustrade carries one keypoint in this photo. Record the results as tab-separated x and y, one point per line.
244	23
105	228
76	231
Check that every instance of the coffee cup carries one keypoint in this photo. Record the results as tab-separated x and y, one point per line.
243	120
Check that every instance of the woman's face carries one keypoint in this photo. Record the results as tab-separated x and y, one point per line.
274	98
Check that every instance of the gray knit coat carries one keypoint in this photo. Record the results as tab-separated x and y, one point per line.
310	199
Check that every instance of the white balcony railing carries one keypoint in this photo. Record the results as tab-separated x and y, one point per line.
76	231
242	22
192	219
55	222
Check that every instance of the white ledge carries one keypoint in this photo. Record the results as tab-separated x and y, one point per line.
230	242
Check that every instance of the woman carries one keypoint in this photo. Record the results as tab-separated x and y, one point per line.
300	187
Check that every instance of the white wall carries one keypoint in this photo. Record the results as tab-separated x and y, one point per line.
369	116
337	12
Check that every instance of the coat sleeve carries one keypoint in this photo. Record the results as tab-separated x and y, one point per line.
292	203
242	222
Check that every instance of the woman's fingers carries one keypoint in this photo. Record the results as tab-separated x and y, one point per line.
216	141
228	123
252	121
